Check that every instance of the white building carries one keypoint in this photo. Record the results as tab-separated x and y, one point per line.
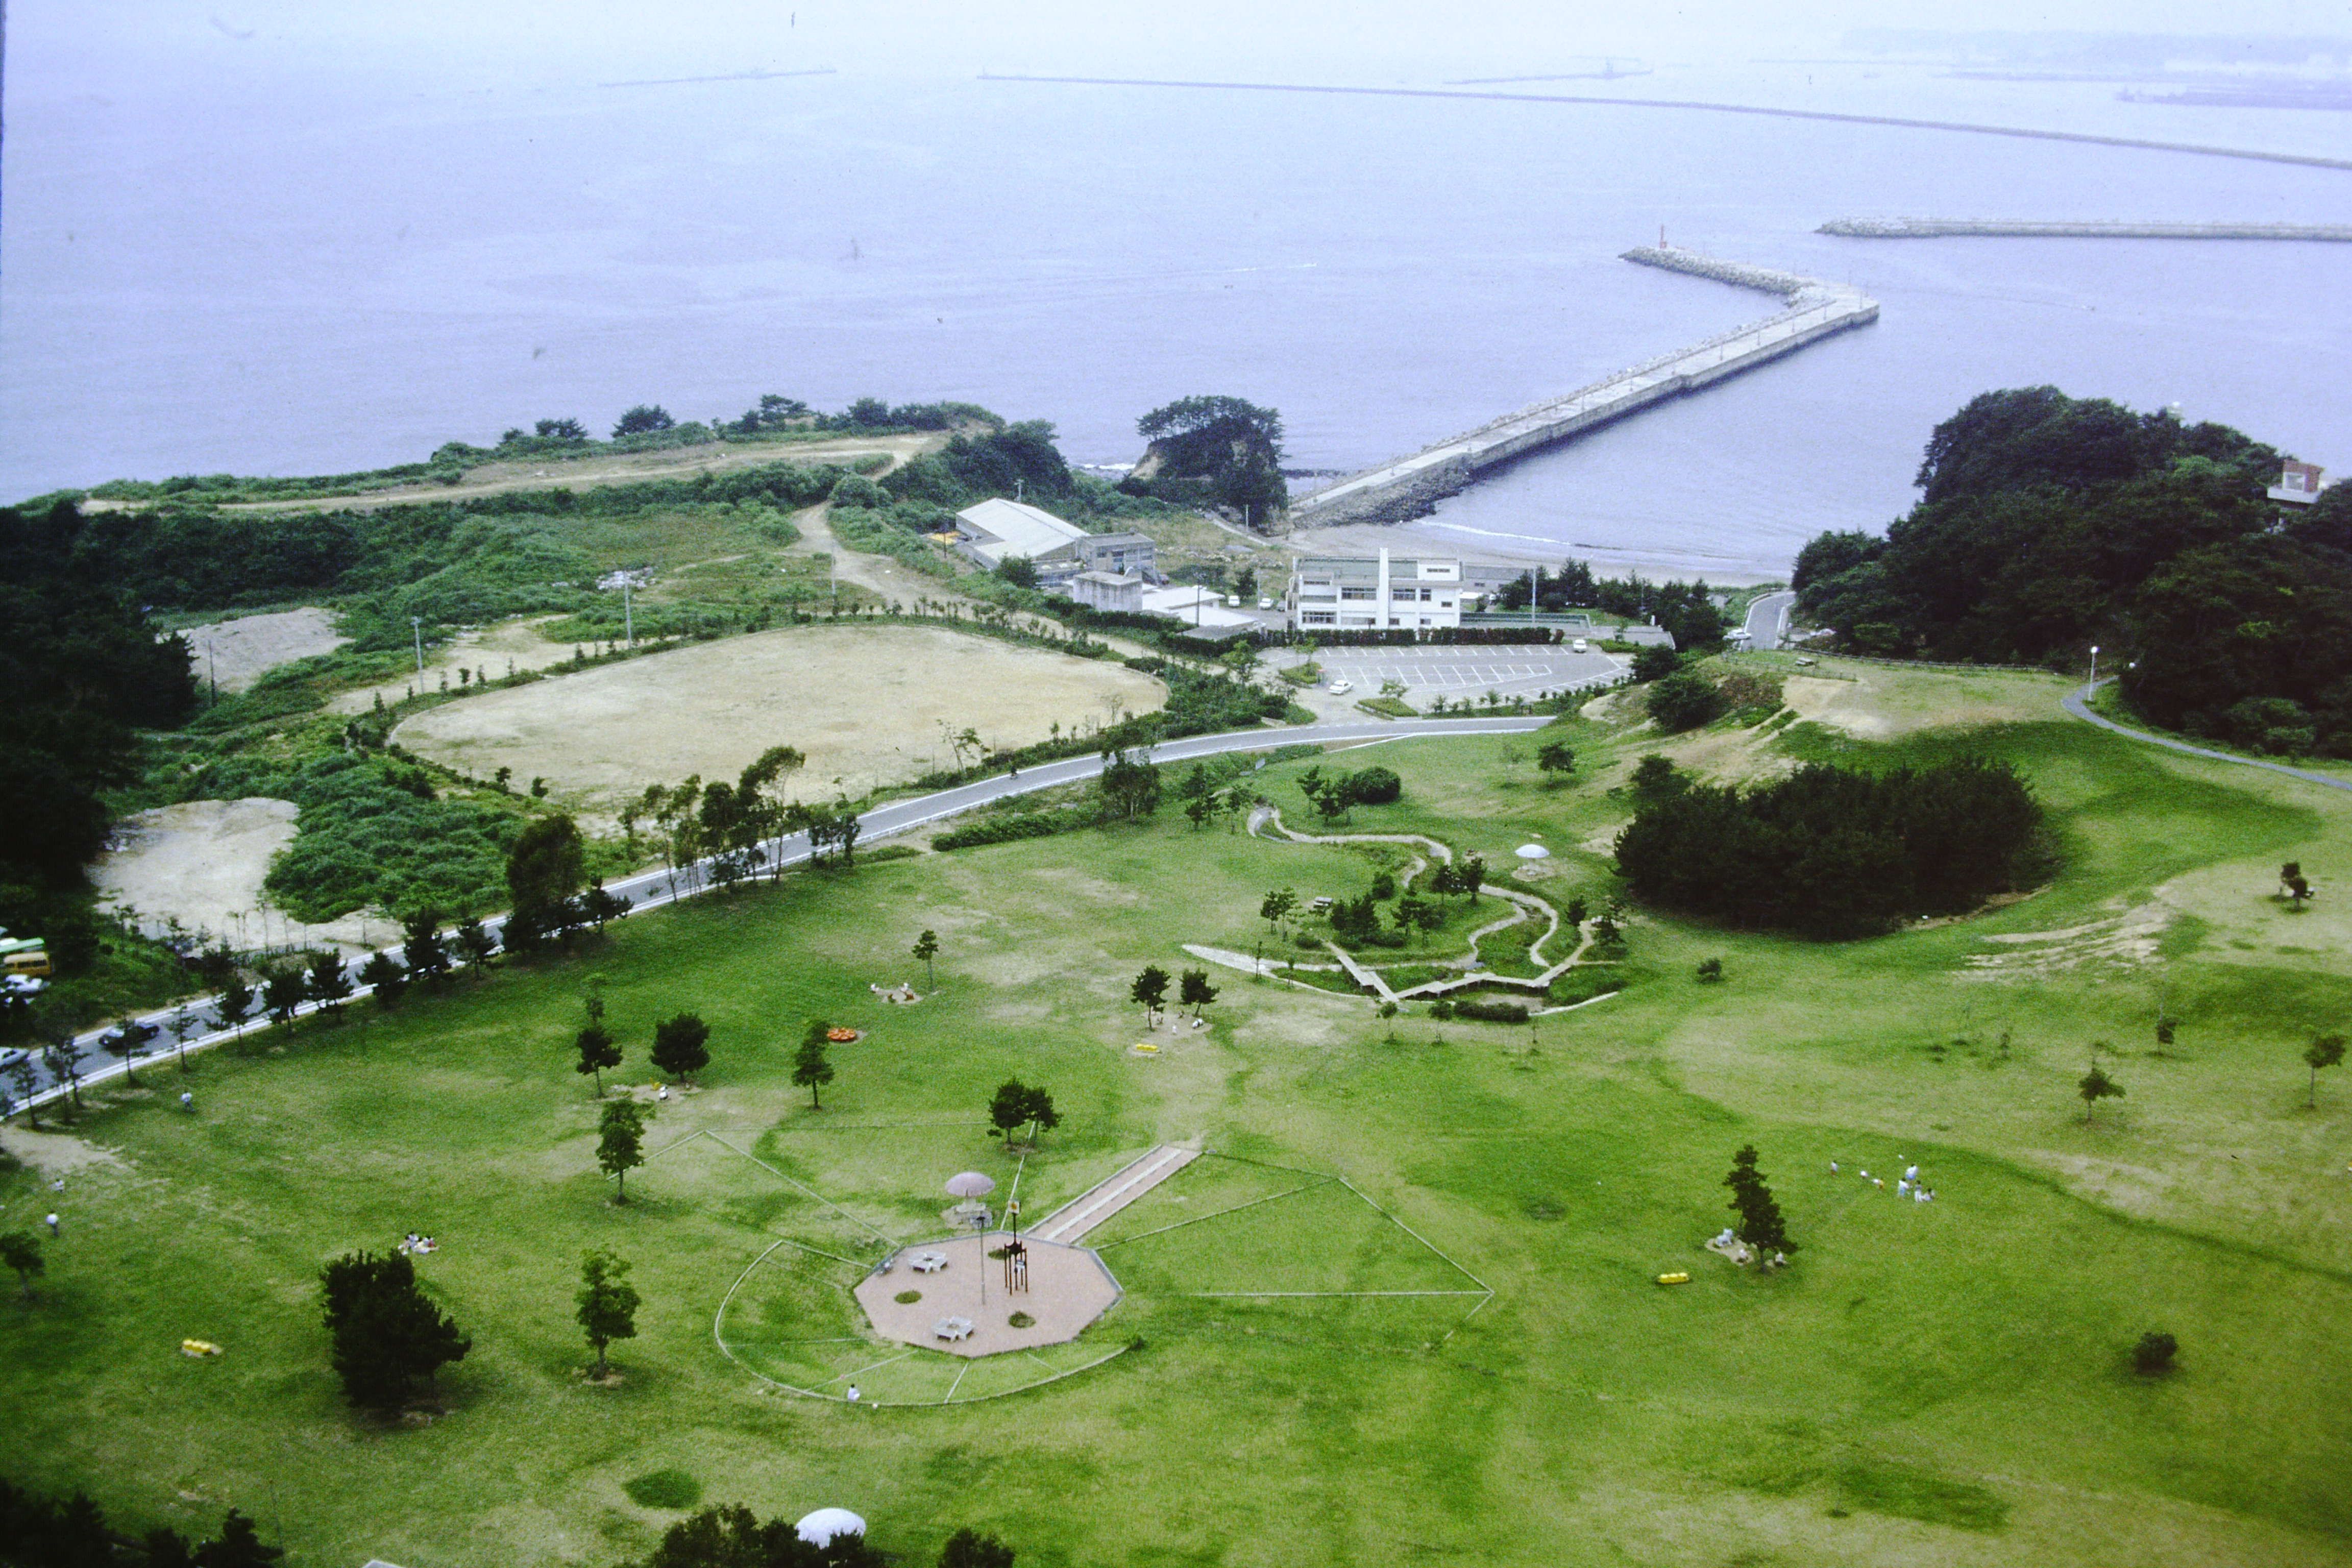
998	529
1197	609
1108	591
1355	594
2300	484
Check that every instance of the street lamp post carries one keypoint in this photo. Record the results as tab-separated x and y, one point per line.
2095	666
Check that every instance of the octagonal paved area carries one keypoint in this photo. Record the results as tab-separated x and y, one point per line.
1069	1286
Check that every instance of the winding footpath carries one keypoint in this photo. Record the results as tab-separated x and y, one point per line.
652	889
2078	703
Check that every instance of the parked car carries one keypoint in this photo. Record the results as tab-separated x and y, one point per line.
1265	603
1341	687
1579	646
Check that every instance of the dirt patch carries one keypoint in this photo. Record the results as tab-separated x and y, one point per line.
201	864
238	653
1878	701
868	705
55	1154
2123	940
502	649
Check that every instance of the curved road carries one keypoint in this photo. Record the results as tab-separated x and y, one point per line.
650	890
2078	704
1767	619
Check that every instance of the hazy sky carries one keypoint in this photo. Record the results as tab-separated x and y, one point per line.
525	40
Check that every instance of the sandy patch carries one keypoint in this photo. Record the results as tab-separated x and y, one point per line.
201	864
868	705
55	1154
501	648
236	652
2123	940
1879	701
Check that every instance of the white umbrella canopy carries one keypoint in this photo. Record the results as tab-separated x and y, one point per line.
818	1529
971	1185
1533	852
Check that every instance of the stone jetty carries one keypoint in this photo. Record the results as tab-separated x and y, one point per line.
1410	486
1945	227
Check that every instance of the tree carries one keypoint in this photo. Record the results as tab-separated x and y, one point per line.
597	1051
1710	971
234	1003
1150	989
479	946
328	983
183	1018
238	1546
126	1042
1470	875
967	1548
545	871
21	1250
1196	993
1760	1222
621	1142
1275	906
2096	1087
608	1303
1683	701
644	419
283	992
600	904
562	429
1555	759
1017	1105
681	1045
26	1077
1655	662
62	1058
1130	784
384	1331
2154	1354
765	784
2325	1051
927	948
1199	810
733	1537
382	975
811	1071
1413	914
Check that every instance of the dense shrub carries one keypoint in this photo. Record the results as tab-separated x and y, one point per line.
1683	701
1828	851
1491	1012
1374	786
1016	826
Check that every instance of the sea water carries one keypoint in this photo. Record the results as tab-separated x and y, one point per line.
324	273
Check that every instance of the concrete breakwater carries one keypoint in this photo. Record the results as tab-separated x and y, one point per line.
1939	228
1409	487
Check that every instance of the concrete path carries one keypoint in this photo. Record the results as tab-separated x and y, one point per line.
651	890
1068	1224
2078	704
1768	621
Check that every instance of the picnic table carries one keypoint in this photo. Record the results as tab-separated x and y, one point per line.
930	1262
952	1329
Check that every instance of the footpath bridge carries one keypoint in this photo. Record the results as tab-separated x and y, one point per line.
1411	486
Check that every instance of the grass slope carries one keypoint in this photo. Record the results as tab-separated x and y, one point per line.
1937	1383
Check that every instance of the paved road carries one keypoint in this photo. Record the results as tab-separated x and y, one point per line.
2078	704
1768	620
653	888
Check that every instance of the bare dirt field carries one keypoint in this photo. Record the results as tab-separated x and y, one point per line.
499	647
868	705
202	862
238	652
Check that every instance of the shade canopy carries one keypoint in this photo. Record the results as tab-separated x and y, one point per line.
971	1185
1533	852
818	1529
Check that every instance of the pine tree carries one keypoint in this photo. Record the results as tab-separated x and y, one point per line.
608	1302
620	1143
679	1045
1760	1225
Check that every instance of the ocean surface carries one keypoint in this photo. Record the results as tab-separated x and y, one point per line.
325	273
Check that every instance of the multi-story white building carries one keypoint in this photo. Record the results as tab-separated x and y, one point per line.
1340	592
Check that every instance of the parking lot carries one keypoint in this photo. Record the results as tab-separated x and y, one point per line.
1456	672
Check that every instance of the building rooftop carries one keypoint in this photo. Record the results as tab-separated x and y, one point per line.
1018	528
1362	568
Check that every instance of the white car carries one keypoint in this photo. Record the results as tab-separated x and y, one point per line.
1263	602
1580	646
1341	688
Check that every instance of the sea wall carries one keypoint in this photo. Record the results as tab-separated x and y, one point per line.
1940	227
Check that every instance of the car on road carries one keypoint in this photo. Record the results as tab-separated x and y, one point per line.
1341	687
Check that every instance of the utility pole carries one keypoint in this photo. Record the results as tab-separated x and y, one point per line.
628	613
417	630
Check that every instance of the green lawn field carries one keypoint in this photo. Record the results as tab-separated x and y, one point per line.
1468	1360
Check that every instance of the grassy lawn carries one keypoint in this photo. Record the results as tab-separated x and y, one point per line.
1473	1363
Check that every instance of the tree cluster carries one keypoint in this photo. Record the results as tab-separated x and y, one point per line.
85	670
43	1532
1017	1105
1828	851
386	1333
1214	451
2047	523
1685	610
1334	794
